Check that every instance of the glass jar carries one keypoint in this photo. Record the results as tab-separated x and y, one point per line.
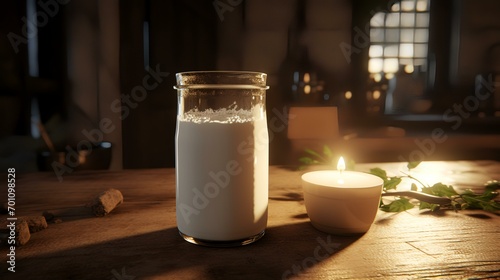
222	157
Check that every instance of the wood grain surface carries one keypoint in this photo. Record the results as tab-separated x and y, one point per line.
139	239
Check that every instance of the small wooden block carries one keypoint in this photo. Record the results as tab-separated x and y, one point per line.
21	230
35	223
105	202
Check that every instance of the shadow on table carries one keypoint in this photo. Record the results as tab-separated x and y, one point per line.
283	252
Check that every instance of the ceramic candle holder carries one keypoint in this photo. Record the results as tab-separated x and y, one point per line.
342	203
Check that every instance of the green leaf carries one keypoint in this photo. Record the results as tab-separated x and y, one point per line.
306	160
480	201
392	183
492	185
426	205
440	189
327	152
312	152
492	206
389	182
488	195
414	187
413	164
399	205
379	172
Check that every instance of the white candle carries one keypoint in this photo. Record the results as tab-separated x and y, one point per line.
341	202
345	179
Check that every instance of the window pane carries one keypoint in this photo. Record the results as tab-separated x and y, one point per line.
392	20
422	20
407	5
395	7
392	35
422	5
408	19
407	35
420	50
377	35
406	61
391	51
406	50
420	62
377	20
375	65
421	35
391	65
376	51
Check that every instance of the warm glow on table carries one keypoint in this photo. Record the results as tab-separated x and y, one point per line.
140	238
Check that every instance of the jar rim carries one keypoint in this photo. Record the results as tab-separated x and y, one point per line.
221	71
221	80
219	86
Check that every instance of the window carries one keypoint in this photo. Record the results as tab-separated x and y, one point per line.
399	38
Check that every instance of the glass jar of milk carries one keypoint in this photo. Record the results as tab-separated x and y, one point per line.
222	157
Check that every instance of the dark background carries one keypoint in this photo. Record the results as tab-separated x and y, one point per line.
92	53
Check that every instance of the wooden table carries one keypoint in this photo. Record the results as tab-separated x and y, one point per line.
139	239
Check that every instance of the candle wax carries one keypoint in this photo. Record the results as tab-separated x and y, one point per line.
344	179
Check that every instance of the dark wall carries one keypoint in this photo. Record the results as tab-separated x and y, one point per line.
232	35
182	37
17	87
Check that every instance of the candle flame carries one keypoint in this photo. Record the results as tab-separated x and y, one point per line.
341	164
341	168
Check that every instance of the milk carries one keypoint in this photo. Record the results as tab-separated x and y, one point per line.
222	175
